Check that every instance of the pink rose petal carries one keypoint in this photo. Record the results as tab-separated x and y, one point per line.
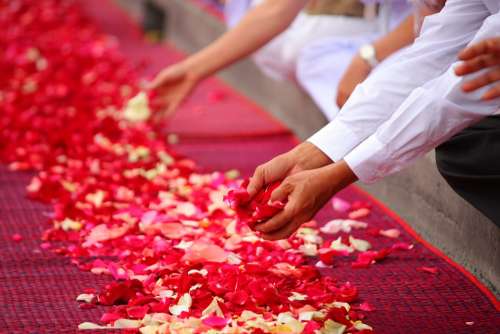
340	205
201	252
215	322
391	233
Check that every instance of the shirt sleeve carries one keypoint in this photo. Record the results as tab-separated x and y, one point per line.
379	96
428	117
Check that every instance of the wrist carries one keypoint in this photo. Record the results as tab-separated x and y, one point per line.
339	175
194	69
310	157
368	54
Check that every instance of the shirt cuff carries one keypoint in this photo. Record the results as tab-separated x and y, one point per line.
369	160
335	140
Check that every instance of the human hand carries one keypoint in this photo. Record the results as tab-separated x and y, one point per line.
173	85
481	56
305	194
302	157
356	73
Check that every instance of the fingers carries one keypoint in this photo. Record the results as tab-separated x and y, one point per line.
167	75
272	171
156	82
284	232
281	193
476	64
491	45
277	222
493	93
482	80
257	181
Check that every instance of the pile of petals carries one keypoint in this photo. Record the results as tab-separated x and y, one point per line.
124	204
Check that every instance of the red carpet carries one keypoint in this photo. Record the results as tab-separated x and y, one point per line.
226	134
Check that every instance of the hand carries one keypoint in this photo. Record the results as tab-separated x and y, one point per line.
303	157
480	56
173	84
307	192
356	73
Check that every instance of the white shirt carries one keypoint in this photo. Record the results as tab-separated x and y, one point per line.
406	109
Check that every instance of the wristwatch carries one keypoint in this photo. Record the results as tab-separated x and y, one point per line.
368	54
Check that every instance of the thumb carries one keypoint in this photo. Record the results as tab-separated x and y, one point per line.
274	170
169	74
281	193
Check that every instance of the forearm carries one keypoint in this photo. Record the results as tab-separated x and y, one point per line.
258	27
428	117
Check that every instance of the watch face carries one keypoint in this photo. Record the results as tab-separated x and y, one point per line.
367	52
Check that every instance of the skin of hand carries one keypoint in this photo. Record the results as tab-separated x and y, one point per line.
356	73
484	55
260	25
303	157
306	192
173	85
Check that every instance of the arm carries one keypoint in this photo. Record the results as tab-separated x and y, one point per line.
257	28
378	97
428	117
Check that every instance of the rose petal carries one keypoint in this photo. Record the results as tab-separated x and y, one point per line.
430	270
215	322
360	213
340	205
391	233
202	252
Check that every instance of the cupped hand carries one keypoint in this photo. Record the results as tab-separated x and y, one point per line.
173	85
484	55
355	74
303	157
306	193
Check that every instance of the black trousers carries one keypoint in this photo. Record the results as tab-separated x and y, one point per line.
470	163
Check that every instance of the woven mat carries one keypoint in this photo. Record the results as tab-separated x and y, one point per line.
38	288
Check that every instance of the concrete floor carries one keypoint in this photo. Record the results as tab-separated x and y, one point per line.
419	195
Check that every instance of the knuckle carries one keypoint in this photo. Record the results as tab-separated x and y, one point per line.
292	210
288	184
259	171
490	45
481	61
491	77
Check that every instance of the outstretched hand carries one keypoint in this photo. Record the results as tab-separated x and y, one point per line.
173	85
484	55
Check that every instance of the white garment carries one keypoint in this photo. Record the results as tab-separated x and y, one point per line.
416	103
321	65
278	58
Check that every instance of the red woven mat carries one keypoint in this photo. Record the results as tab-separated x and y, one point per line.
38	288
